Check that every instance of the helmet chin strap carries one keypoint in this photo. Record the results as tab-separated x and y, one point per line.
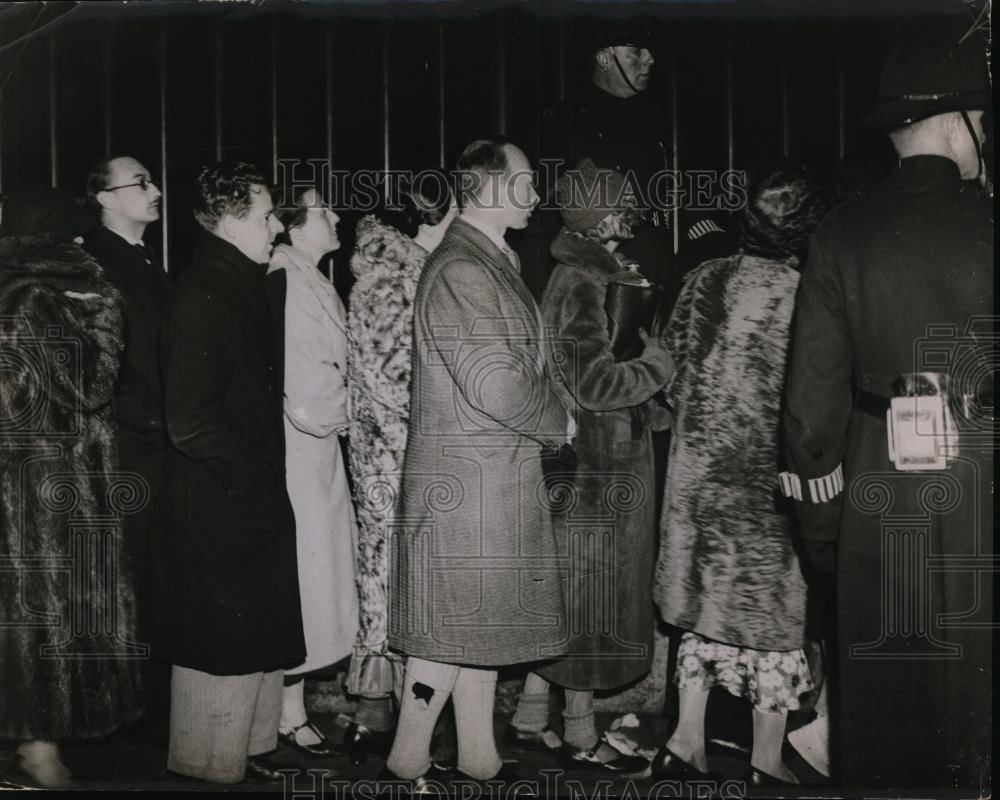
621	71
981	177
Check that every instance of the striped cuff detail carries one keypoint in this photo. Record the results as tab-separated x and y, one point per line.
790	485
701	227
822	490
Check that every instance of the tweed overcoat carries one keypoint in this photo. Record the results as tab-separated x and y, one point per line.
226	589
611	524
62	500
475	571
900	283
727	568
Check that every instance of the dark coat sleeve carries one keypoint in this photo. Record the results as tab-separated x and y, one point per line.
493	371
818	405
138	405
199	360
593	376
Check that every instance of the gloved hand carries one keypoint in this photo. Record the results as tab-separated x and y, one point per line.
559	459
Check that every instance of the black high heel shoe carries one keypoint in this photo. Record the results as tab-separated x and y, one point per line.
668	765
321	749
765	780
359	741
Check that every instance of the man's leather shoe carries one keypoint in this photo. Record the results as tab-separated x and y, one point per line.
761	779
576	759
531	741
668	765
359	741
260	770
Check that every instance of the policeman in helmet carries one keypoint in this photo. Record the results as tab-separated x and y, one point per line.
895	302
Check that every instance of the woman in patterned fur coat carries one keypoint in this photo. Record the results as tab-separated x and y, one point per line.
727	572
60	504
387	261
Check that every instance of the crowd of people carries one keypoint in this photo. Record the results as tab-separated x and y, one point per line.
505	498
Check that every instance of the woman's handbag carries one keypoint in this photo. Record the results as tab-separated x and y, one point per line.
630	306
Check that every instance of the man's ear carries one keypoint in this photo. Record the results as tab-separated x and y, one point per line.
227	226
106	199
603	58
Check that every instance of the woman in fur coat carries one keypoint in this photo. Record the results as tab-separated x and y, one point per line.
727	572
387	261
62	503
610	524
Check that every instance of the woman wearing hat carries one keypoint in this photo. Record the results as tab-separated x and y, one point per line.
727	573
613	485
63	551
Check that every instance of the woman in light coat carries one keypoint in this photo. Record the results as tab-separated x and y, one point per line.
315	417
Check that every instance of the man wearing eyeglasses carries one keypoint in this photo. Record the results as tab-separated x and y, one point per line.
123	194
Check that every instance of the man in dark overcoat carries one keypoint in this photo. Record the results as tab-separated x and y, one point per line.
122	191
898	284
475	570
228	614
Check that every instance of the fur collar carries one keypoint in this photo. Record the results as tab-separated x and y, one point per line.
585	254
45	256
378	244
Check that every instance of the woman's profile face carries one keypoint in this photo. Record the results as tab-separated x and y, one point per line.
319	230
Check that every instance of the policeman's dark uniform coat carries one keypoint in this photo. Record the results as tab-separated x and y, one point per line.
227	592
890	278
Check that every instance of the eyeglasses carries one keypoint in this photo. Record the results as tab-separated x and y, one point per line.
142	183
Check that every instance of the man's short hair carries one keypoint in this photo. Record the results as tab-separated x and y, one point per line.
98	180
479	160
225	188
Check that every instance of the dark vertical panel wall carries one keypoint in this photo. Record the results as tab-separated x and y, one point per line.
135	107
701	96
301	78
277	85
80	98
25	115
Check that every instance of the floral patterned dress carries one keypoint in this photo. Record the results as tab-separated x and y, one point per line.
386	265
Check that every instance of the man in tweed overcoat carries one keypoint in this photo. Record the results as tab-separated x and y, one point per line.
475	579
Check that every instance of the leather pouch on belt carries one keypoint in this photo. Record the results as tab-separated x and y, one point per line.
920	426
